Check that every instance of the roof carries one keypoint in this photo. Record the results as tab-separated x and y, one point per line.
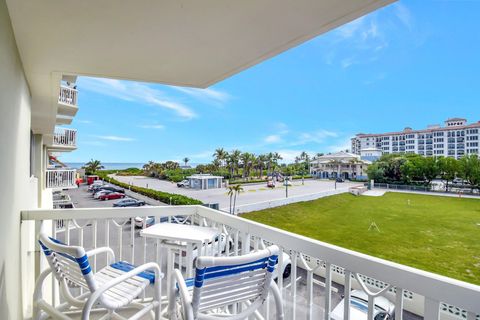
468	126
342	157
203	176
185	43
456	119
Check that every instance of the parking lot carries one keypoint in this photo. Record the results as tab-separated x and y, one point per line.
253	193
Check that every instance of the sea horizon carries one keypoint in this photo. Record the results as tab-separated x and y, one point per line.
117	165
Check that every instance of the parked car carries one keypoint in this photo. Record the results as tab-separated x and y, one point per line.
112	188
97	194
384	309
129	202
139	221
95	186
182	184
339	179
287	183
111	196
271	184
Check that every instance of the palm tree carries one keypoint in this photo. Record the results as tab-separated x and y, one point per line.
261	159
230	192
237	189
269	162
235	160
185	160
92	166
275	158
221	155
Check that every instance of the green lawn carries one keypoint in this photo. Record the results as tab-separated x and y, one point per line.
437	234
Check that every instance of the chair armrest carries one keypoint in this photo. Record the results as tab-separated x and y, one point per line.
107	250
112	283
184	296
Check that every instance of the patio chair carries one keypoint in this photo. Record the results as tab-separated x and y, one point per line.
113	288
222	282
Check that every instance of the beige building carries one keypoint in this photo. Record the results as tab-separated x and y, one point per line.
340	164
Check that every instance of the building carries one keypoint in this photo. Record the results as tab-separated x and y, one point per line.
45	44
339	164
370	154
455	139
205	181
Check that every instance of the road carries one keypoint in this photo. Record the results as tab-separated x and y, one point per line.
253	193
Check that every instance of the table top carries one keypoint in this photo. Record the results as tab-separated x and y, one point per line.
180	232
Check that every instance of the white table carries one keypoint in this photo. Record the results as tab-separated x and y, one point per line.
182	237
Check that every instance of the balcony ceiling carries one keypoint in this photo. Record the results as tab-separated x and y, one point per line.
186	43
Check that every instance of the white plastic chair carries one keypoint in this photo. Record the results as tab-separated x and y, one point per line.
111	289
221	282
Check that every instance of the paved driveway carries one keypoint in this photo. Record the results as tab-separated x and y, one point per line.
252	193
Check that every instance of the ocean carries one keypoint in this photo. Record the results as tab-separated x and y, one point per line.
116	165
108	165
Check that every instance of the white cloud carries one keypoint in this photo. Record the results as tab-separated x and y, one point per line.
115	138
135	91
93	143
289	155
153	126
273	138
404	15
83	121
340	146
318	136
209	95
203	155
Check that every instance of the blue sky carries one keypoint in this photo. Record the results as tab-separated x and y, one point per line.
412	63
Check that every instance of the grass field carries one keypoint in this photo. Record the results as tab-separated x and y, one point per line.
437	234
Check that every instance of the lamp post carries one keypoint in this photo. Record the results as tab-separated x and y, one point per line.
286	187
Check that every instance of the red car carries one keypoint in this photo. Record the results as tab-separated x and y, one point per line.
111	196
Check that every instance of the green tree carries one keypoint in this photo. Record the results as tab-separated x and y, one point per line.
469	166
221	155
376	172
185	161
92	166
448	169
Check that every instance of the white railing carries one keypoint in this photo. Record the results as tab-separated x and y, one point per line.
65	137
320	271
60	178
68	95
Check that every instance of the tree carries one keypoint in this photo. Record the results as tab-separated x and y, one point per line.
185	160
237	189
221	155
376	172
448	169
92	166
230	192
470	170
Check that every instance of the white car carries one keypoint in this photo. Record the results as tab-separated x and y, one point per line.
287	183
101	193
384	309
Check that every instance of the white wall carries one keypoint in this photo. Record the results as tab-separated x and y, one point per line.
17	189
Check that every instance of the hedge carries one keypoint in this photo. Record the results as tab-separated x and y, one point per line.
165	197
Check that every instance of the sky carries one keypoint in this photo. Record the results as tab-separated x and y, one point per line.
413	63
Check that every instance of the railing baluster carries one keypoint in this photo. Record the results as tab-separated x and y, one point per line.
347	289
309	293
371	307
328	290
399	304
132	238
432	309
293	284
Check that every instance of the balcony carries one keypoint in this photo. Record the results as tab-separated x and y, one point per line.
60	178
64	139
320	272
67	101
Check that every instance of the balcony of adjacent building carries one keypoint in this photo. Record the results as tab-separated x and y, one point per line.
67	103
62	140
60	178
314	276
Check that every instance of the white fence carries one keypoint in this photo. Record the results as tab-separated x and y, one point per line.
68	95
284	201
60	178
65	137
435	295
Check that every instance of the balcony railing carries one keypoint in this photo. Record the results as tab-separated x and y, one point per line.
64	137
320	272
68	96
60	178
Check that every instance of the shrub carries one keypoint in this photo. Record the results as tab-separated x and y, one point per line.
165	197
